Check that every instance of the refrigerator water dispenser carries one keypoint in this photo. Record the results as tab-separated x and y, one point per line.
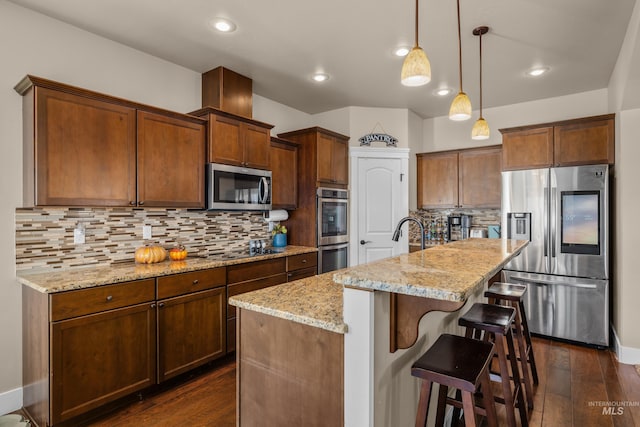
519	225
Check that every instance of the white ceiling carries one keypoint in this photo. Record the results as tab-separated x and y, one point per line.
280	43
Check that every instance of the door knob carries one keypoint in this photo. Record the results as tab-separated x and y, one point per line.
364	242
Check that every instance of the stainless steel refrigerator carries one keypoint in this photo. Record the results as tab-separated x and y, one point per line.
564	213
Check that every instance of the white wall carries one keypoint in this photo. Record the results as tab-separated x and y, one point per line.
283	117
392	121
416	128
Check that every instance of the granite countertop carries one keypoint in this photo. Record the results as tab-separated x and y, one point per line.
315	301
447	272
60	280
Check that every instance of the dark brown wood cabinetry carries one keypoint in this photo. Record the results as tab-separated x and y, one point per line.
83	148
284	178
460	179
590	140
323	162
191	320
236	140
301	266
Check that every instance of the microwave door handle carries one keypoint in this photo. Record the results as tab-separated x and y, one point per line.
263	189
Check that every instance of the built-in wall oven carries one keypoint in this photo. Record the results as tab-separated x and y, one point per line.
333	229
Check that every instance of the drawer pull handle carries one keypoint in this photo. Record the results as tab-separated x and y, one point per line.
195	282
109	298
290	275
160	304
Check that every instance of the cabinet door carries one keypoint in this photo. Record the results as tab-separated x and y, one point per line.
438	180
480	178
85	151
340	158
191	331
170	161
284	178
256	146
101	357
527	149
325	159
584	143
225	141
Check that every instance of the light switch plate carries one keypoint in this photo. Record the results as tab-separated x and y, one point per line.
146	231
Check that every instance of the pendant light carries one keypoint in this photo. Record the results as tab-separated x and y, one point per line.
416	69
480	127
461	105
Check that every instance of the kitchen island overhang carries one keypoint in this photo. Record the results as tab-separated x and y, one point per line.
377	388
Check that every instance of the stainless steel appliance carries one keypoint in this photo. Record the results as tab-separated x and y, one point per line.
465	226
564	213
238	188
333	229
458	227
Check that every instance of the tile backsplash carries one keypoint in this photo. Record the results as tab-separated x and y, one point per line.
479	218
44	236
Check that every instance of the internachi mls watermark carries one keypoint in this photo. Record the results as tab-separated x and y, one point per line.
613	407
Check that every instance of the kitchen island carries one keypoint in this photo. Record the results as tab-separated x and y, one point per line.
336	349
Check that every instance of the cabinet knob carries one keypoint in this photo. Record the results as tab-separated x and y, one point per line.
153	305
132	203
141	203
195	282
109	297
304	261
289	274
160	304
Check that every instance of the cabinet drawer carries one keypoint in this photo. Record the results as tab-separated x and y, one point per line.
184	283
252	285
296	262
251	270
302	273
65	305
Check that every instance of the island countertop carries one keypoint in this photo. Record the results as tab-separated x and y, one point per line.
448	272
60	280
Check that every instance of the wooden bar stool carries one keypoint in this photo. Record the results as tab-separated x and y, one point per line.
459	362
513	295
494	322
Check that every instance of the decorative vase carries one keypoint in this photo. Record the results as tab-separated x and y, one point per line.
279	240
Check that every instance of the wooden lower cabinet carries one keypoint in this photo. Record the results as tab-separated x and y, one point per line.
100	357
301	266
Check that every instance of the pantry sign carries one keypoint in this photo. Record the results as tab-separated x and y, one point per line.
374	137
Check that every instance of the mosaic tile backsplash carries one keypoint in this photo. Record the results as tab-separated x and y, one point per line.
479	218
44	236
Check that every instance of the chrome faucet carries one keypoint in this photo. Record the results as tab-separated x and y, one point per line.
396	234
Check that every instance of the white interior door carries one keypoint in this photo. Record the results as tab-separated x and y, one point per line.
379	207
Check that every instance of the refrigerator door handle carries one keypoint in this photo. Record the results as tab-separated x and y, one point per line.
554	226
546	225
538	282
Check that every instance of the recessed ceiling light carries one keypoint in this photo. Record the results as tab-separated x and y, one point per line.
223	25
320	77
442	91
401	51
538	71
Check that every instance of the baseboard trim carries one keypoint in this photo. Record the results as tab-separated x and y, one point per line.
10	400
626	355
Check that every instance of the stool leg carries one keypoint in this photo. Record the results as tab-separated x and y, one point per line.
506	385
527	337
522	347
468	408
455	415
423	404
524	417
442	404
489	403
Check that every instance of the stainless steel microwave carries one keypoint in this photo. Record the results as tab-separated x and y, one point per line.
238	188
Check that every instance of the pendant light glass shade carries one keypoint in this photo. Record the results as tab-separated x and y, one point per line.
416	69
480	129
460	107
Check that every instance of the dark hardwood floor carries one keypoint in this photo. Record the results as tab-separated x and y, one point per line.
574	382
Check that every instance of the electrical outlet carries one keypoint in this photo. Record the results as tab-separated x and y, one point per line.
146	231
78	234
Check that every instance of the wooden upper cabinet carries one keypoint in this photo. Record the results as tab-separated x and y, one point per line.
480	178
78	151
170	161
527	149
341	161
332	160
438	180
284	178
588	140
235	140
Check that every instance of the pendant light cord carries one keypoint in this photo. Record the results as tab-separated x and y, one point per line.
480	74
459	46
417	23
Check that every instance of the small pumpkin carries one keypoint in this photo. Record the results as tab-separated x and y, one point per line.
178	253
150	254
